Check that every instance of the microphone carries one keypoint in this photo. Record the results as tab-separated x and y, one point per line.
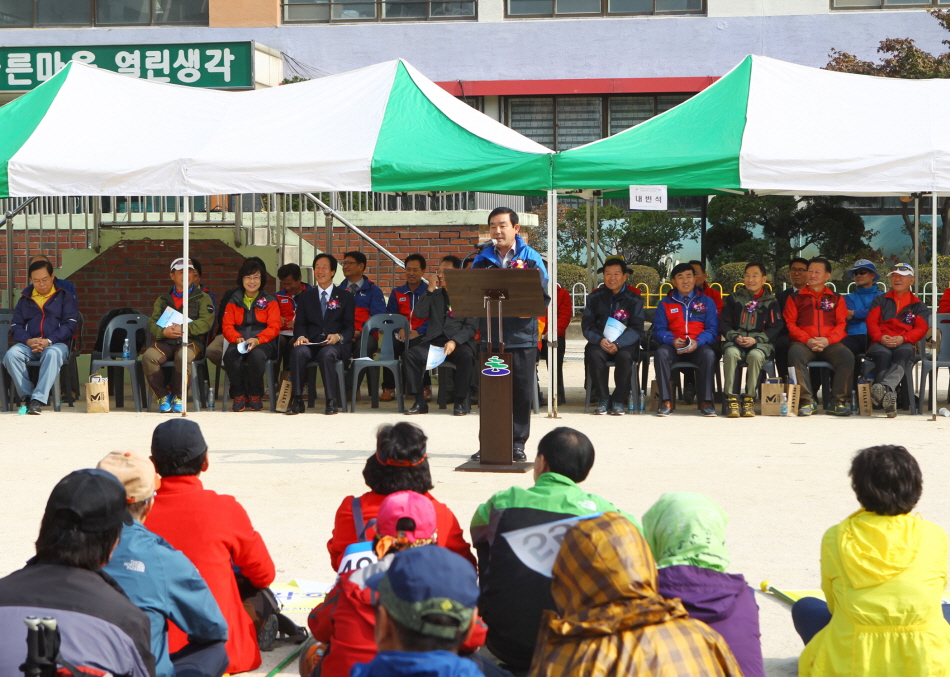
484	245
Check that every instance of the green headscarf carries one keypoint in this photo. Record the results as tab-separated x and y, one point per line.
687	528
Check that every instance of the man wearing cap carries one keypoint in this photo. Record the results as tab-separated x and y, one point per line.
426	606
612	324
99	627
167	339
162	581
214	532
896	321
865	276
686	326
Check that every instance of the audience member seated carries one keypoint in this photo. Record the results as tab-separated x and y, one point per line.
798	276
323	330
44	322
816	318
399	464
167	340
290	277
162	582
215	533
444	330
865	276
513	596
896	322
943	305
613	309
610	619
368	299
402	301
251	326
751	321
99	627
64	283
687	535
426	610
883	573
215	348
686	326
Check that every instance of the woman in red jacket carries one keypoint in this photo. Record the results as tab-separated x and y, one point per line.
399	464
250	326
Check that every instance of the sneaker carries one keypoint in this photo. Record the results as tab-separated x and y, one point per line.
176	405
708	410
164	404
878	390
617	410
239	403
890	403
255	403
664	409
387	395
807	410
601	408
838	410
732	407
748	411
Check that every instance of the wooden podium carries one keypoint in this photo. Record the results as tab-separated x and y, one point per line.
517	293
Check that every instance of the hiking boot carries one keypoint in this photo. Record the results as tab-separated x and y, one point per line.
890	403
387	395
164	404
601	408
807	410
240	401
838	410
176	405
267	635
732	407
747	409
255	403
878	391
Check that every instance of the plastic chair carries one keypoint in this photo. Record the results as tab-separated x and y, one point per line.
269	373
634	384
130	325
199	368
928	367
442	374
6	320
388	326
717	378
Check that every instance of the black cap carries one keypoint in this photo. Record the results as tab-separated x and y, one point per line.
91	500
177	441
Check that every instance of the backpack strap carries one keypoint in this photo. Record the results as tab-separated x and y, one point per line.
360	527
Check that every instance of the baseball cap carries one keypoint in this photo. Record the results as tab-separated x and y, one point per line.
903	269
864	263
613	261
406	504
135	472
179	264
424	581
93	500
178	441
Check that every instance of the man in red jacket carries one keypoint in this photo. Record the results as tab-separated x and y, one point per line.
816	318
215	533
896	321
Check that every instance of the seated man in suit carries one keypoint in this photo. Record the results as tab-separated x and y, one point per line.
323	330
455	334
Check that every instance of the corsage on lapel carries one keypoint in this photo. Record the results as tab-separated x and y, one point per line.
333	304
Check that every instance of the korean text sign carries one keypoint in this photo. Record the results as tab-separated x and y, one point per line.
652	198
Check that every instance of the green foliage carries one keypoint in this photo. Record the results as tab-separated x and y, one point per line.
569	274
923	277
730	274
296	78
652	235
646	275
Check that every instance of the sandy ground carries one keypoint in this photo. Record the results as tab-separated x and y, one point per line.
782	481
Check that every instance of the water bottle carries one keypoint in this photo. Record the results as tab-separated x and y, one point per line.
630	408
126	351
783	410
210	391
854	402
643	402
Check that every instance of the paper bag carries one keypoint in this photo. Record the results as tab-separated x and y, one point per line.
97	396
655	396
283	398
864	399
772	398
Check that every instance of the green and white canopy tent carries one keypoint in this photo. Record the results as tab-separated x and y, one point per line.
381	128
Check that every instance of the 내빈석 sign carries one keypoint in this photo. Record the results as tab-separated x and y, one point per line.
211	65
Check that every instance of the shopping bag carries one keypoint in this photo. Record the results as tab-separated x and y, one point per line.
283	398
97	395
864	399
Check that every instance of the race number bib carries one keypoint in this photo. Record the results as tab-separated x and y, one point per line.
537	547
356	556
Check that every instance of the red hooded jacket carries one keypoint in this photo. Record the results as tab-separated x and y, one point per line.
910	321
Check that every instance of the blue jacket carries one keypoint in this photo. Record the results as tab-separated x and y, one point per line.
56	320
164	584
860	302
519	332
402	301
416	664
369	301
678	316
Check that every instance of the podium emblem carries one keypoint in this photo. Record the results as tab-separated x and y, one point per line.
495	366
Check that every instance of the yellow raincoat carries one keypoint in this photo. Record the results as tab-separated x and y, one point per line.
610	620
883	577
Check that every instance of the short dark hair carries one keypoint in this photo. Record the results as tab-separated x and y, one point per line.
197	266
191	467
330	257
756	264
498	211
568	452
60	542
697	262
616	262
403	442
823	261
289	270
454	260
681	268
798	259
249	267
358	256
886	479
410	640
36	265
419	258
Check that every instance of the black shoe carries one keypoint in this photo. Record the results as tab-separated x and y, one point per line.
617	410
417	408
35	408
709	410
331	408
602	408
296	406
267	635
459	409
518	455
477	456
689	394
838	410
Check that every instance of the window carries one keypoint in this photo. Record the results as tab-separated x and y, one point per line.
19	13
563	122
579	8
887	4
327	11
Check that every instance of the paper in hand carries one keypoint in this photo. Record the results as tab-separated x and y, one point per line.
613	329
171	316
435	358
688	345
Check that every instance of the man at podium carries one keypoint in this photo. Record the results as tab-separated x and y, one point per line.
520	333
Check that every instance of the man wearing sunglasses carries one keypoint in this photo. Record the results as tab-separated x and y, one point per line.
865	276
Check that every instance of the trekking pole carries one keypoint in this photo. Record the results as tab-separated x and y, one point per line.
766	587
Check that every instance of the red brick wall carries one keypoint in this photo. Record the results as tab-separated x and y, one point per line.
51	245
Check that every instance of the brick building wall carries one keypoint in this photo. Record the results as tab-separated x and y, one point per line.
50	244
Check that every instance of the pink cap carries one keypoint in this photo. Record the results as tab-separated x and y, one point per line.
406	504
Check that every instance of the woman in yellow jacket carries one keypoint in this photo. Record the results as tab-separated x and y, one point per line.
883	572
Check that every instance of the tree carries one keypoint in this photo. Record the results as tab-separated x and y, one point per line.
905	60
774	228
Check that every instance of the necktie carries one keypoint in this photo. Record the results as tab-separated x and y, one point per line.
354	288
323	302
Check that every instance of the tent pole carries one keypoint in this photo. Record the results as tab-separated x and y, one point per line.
916	234
702	232
552	306
596	239
590	268
933	305
186	278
